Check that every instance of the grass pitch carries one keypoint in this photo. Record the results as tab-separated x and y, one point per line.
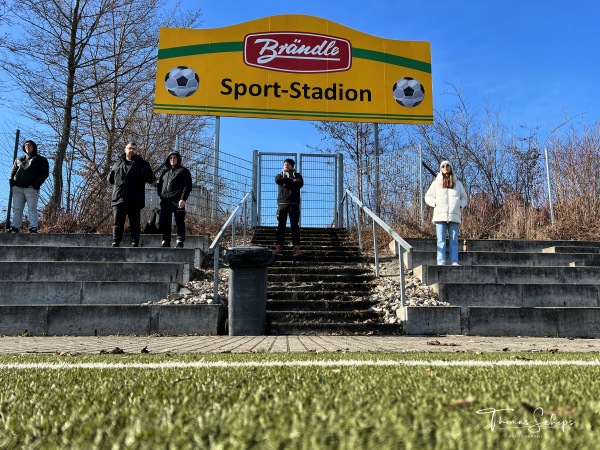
301	401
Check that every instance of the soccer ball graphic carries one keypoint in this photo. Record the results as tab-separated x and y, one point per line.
408	92
182	81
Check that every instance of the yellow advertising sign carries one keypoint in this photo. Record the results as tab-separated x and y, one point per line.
293	67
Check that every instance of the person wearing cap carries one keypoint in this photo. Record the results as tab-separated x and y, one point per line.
289	183
174	187
27	175
128	176
447	197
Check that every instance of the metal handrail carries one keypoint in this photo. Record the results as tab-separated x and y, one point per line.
214	247
401	244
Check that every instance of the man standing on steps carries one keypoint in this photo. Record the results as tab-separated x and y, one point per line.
128	176
174	187
27	175
288	204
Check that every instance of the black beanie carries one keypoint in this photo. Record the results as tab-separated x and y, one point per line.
290	161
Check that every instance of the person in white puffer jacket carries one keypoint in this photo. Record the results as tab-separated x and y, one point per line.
447	197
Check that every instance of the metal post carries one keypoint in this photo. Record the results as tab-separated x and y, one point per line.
255	182
400	250
421	184
7	223
216	168
377	203
216	254
340	180
233	232
376	247
549	186
360	242
245	221
259	191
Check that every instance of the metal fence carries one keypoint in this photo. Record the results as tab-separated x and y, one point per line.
319	196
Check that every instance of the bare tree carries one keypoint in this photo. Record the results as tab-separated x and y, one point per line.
47	60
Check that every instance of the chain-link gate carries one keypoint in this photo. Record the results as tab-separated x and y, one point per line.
320	196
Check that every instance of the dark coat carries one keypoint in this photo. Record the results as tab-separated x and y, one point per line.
29	171
289	190
128	186
174	182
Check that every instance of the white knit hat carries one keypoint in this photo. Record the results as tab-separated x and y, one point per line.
445	162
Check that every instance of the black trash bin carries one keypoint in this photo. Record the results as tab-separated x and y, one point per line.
247	310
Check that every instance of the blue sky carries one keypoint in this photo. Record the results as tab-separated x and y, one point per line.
537	60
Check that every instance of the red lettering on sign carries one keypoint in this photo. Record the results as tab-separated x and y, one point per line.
297	52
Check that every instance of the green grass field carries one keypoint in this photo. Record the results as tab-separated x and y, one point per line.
301	401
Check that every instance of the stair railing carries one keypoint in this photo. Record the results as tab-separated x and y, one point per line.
401	245
214	247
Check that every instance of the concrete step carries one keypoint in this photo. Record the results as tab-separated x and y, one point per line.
315	270
572	249
96	240
104	320
315	328
323	278
507	275
83	292
99	254
522	295
498	245
350	317
470	258
324	295
320	258
502	321
318	305
311	286
25	271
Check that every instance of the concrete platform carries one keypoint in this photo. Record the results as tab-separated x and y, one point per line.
103	320
522	295
507	275
502	321
94	271
83	292
558	322
470	258
499	245
100	254
132	345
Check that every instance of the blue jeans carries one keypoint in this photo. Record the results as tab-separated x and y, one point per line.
441	228
21	196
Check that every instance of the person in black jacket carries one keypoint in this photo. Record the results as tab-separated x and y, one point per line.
128	176
174	187
288	203
27	175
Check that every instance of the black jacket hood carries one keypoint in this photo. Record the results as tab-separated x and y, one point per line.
167	162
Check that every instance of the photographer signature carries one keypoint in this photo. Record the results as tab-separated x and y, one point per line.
538	422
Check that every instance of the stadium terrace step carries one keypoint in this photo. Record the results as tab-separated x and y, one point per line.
23	271
499	245
521	295
508	275
71	284
147	241
572	249
509	288
104	320
83	292
479	258
98	254
320	291
316	328
317	294
319	305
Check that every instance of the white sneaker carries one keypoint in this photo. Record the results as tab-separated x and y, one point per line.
441	263
455	264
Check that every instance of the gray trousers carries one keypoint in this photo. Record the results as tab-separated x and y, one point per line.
20	197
